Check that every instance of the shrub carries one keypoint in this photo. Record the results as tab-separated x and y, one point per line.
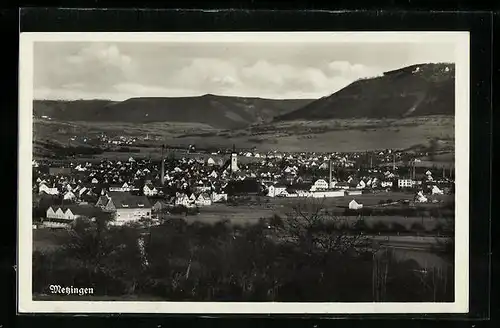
360	225
276	221
398	227
380	227
417	227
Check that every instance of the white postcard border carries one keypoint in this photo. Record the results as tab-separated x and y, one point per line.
24	269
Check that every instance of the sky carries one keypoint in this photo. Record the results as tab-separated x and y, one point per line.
118	71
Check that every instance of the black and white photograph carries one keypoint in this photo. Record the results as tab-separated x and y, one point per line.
231	172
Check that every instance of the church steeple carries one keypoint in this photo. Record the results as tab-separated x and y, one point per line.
234	160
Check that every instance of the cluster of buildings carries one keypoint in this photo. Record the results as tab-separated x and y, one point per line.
135	189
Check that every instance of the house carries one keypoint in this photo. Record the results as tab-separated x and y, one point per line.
299	188
69	196
342	185
353	192
149	190
276	190
182	199
386	184
389	175
64	216
59	171
327	193
203	199
216	197
159	205
83	191
361	185
126	206
243	187
289	194
120	188
436	190
353	205
406	183
420	198
49	191
320	184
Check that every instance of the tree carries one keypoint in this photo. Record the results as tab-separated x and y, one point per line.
314	228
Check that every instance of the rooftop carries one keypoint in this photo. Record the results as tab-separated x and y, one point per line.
128	200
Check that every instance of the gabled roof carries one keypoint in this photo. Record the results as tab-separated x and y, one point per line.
128	200
103	200
299	186
85	210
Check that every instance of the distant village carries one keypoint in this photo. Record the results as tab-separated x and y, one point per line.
140	188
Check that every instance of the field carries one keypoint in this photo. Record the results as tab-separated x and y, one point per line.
248	214
243	214
322	136
335	135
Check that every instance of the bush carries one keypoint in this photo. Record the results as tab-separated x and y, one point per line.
398	227
276	221
443	228
380	227
417	227
360	225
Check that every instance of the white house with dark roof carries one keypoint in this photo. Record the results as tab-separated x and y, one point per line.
203	199
181	199
50	191
320	184
159	205
69	195
126	206
63	216
120	188
276	190
386	183
149	190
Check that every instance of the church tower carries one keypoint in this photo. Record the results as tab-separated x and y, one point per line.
234	160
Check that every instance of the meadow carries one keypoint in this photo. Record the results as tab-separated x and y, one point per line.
346	135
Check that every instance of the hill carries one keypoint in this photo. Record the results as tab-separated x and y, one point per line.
417	90
217	111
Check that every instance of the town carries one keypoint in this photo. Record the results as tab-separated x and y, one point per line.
142	188
243	172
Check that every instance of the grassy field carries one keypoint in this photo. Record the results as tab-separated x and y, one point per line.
268	207
322	136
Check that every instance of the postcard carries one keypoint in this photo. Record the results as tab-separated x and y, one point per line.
238	172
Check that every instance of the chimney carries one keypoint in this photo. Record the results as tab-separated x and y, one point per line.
162	166
330	169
